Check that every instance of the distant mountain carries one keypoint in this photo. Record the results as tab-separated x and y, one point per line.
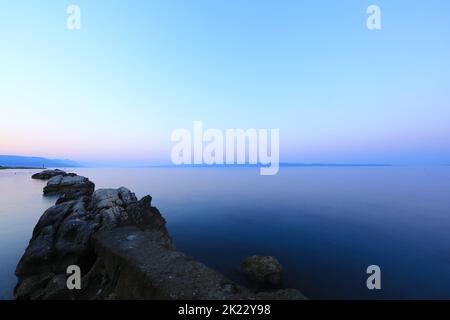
21	161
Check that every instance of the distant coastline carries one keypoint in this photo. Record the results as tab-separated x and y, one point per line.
258	165
24	162
5	168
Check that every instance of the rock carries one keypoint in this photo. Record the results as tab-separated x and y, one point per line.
70	187
263	270
122	247
150	268
64	235
48	174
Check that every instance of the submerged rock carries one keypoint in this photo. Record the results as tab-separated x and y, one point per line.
48	174
263	270
122	247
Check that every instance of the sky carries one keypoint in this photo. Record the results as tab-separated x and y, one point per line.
116	89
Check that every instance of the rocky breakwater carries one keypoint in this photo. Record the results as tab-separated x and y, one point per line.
122	247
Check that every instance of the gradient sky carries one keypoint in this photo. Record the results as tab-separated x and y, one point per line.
116	89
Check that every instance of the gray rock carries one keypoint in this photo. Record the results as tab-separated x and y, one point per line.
150	268
69	187
263	270
48	174
64	236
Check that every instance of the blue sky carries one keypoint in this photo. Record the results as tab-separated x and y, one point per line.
137	70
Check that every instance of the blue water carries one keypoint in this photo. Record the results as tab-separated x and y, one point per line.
325	225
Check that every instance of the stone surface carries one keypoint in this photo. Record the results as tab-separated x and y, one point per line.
48	174
150	268
64	234
263	270
123	249
69	187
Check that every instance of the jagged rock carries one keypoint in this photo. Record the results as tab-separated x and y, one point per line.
63	236
263	270
70	187
48	174
122	247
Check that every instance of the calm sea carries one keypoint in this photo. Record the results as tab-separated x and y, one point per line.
325	225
